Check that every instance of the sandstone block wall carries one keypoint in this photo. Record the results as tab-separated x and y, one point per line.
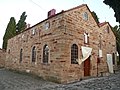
65	29
2	58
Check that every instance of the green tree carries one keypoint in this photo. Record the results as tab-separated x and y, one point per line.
10	32
116	31
95	17
21	25
13	28
115	5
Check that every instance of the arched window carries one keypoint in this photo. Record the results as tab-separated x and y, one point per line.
21	55
74	54
33	54
45	54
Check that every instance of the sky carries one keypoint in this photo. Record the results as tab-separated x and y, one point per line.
36	10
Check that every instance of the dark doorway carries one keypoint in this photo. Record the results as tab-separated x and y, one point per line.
87	67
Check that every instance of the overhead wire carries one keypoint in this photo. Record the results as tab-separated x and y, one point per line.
37	5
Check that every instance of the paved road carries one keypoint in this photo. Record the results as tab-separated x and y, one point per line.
15	81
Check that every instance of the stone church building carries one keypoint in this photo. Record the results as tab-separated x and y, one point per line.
65	47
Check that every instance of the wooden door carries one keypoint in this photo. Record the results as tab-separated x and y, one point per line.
87	67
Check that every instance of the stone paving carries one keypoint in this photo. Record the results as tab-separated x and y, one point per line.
16	81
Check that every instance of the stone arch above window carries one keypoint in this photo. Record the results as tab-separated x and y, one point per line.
45	53
21	55
74	54
34	54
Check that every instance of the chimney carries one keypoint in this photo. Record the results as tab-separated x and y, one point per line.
51	13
